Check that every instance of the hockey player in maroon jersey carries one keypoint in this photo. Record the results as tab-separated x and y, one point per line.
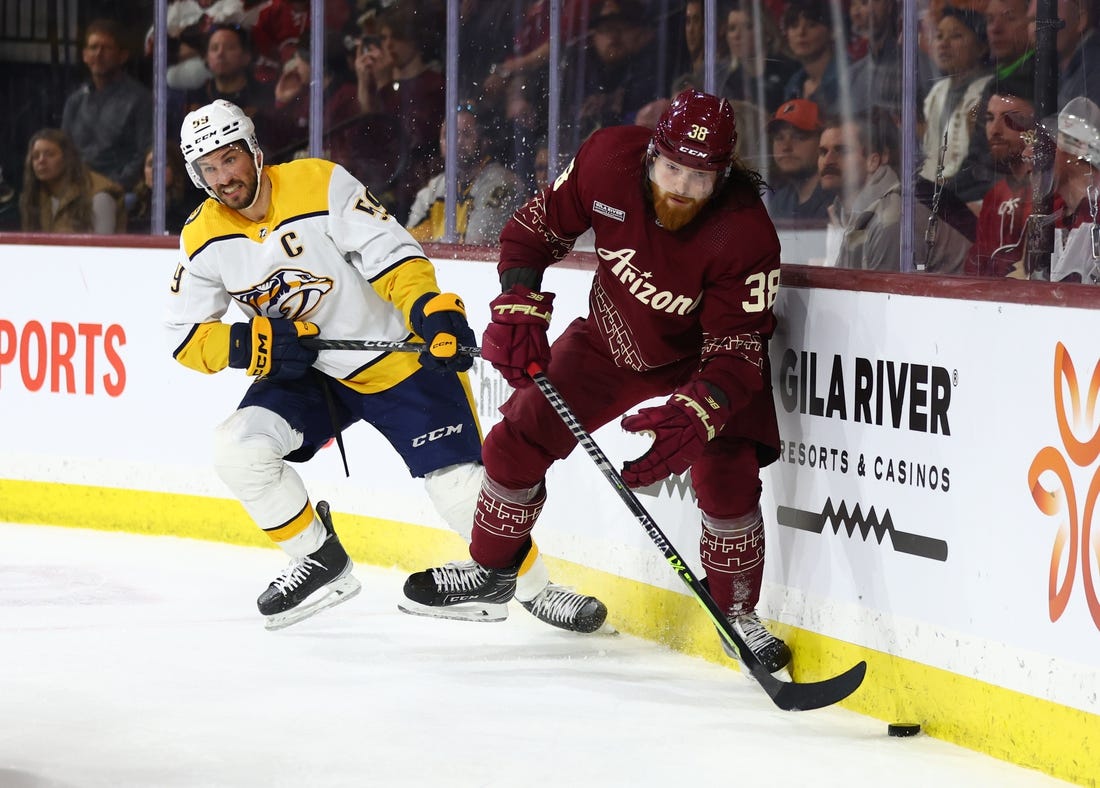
681	306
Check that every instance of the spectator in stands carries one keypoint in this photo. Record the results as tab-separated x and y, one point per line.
228	53
1076	254
752	74
61	194
855	163
188	23
609	88
488	192
1078	47
694	76
961	54
875	79
1006	206
1012	52
794	132
179	198
373	70
808	27
413	95
109	117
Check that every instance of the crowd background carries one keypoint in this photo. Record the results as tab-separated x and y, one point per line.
954	138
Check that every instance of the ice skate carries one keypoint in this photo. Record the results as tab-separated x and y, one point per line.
462	590
309	585
772	652
562	607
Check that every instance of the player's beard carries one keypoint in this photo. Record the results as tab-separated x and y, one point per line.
673	215
244	197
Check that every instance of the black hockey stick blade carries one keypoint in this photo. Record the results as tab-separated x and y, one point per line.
317	343
787	695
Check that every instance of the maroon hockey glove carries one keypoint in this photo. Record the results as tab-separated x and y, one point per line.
693	415
441	320
517	334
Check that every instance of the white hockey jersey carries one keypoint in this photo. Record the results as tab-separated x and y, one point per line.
327	252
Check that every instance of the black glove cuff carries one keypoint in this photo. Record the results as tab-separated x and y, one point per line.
531	278
240	345
416	314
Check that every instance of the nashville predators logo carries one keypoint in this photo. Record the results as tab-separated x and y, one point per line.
289	292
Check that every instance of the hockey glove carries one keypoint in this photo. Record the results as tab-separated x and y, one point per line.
693	415
441	321
268	347
517	334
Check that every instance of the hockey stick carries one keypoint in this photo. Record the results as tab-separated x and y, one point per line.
318	343
787	695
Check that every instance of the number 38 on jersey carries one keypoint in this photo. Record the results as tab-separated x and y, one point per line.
762	291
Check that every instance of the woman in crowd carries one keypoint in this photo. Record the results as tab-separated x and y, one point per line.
758	71
63	195
961	53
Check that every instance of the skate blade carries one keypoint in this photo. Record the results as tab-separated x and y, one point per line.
340	590
466	611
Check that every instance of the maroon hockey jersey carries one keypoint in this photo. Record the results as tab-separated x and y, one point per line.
658	297
1004	213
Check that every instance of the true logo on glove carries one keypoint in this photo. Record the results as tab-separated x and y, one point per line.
700	411
523	309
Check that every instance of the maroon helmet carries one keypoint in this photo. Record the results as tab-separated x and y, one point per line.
697	130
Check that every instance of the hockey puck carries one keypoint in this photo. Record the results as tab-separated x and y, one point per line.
903	729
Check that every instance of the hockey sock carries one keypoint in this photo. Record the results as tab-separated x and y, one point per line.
502	523
732	554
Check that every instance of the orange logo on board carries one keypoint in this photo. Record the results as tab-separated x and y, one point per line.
1073	544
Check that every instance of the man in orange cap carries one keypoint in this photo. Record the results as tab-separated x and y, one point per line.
794	132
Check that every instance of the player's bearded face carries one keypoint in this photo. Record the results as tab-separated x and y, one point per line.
231	173
240	192
679	192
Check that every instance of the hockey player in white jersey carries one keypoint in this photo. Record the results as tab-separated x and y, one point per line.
304	248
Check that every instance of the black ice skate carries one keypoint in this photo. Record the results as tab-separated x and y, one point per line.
463	590
772	652
564	608
309	585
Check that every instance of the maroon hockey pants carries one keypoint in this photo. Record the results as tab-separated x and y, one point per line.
519	450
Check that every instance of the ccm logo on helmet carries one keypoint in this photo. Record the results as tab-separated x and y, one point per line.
690	152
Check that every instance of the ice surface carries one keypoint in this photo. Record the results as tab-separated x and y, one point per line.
141	662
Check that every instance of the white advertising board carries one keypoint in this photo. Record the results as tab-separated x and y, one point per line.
918	436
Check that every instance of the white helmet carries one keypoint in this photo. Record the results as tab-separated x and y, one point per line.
215	126
1079	130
